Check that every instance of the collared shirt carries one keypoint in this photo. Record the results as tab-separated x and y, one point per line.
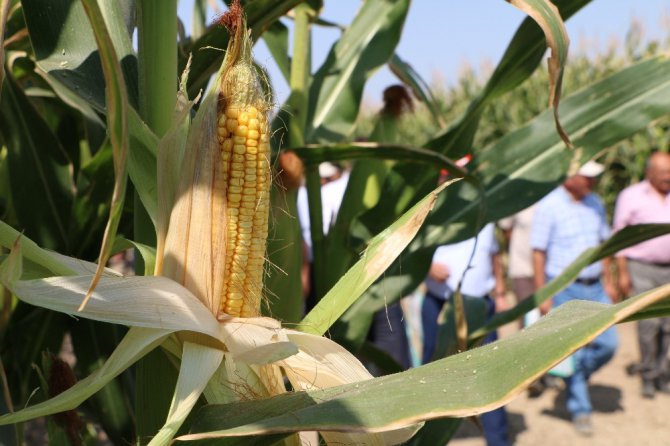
564	227
520	253
479	279
638	204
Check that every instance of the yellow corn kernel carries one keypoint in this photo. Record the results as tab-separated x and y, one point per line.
245	168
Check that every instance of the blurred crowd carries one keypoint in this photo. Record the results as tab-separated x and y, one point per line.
510	260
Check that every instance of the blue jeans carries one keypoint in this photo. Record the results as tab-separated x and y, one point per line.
592	356
494	422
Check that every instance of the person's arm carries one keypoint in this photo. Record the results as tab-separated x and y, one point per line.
623	276
439	272
305	271
608	280
622	218
500	296
539	276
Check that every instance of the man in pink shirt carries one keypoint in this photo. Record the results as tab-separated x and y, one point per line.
647	265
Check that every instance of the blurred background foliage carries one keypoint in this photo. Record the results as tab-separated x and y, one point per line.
624	161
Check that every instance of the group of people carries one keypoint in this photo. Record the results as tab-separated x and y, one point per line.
543	240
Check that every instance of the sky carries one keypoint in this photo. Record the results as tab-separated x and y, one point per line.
441	37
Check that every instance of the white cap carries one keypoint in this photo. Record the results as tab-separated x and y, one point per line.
327	170
591	169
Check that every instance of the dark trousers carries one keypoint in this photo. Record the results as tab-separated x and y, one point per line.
493	422
653	334
388	334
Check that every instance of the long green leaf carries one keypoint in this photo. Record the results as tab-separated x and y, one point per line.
382	250
285	248
314	154
628	236
4	14
522	56
116	99
93	343
337	88
517	171
462	385
65	46
547	16
39	170
134	345
408	75
276	39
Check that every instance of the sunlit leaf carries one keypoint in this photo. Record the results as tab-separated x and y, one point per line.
546	15
381	252
116	99
337	87
462	385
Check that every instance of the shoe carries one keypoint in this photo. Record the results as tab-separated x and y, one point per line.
648	389
536	389
583	426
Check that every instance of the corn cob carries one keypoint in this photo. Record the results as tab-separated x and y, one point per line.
243	182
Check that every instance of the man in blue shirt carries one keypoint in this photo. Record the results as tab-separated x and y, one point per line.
484	276
568	221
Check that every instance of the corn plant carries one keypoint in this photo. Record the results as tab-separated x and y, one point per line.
213	362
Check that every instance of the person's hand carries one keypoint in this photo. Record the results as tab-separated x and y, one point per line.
439	272
624	284
500	299
545	307
611	291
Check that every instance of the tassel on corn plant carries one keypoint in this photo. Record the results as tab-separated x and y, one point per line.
203	304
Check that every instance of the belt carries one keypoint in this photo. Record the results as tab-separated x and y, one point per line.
592	281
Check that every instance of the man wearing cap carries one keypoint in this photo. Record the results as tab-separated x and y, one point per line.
568	221
647	265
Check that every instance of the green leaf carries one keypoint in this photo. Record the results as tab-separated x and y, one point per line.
406	73
134	345
142	163
148	253
65	46
628	236
462	385
518	170
4	14
95	182
285	259
276	39
382	250
117	128
39	170
546	15
93	343
522	56
337	87
314	154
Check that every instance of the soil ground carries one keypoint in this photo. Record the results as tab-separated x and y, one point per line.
620	416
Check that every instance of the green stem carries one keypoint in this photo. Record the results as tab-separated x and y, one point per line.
157	44
157	63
